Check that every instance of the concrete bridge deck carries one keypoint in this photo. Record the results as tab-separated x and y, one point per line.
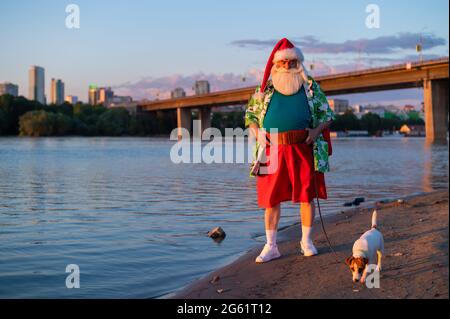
432	75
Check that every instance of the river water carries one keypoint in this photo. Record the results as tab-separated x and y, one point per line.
135	223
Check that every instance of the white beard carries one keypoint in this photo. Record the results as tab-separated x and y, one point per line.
287	82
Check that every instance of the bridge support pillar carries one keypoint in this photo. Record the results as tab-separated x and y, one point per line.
436	109
204	116
184	120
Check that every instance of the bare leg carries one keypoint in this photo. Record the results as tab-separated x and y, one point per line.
307	213
272	217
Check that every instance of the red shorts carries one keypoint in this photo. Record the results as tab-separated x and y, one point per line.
292	179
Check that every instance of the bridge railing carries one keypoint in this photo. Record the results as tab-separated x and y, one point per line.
401	66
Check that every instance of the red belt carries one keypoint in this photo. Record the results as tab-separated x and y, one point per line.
289	137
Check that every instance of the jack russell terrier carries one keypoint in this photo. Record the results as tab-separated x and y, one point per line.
367	250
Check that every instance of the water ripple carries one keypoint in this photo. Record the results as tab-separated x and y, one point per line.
136	223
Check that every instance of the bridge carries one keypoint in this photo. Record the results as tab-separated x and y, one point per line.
431	75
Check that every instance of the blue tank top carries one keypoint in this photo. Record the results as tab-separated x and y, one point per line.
288	112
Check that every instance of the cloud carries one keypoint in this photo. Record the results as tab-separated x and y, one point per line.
380	45
372	53
160	87
152	88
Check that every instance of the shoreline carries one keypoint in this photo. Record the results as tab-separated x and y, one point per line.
415	264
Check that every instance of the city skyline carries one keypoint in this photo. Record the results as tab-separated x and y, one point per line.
152	48
106	96
36	84
57	91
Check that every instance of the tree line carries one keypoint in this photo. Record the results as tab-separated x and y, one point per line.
20	116
370	122
373	123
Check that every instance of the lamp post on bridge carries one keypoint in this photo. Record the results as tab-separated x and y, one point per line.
419	45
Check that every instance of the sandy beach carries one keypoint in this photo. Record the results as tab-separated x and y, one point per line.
415	264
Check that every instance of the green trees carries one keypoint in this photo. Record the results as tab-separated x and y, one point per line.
346	122
233	119
42	123
2	121
113	122
13	108
19	116
414	118
85	118
143	124
34	119
65	108
371	122
391	122
30	118
97	121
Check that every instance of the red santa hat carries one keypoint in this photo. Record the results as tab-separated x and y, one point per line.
283	50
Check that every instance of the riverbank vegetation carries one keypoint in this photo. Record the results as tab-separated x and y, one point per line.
373	123
19	116
370	122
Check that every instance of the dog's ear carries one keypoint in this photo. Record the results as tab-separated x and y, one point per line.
366	261
348	261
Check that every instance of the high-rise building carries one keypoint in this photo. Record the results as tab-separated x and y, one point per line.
105	96
177	93
93	94
36	89
201	87
72	99
338	105
57	92
9	88
119	100
357	108
378	110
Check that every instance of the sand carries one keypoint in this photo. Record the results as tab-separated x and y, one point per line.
415	264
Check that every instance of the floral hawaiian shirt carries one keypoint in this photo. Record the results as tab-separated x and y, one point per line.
320	113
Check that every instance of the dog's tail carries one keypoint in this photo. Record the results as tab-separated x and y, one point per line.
374	219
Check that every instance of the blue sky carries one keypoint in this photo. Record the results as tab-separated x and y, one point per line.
145	48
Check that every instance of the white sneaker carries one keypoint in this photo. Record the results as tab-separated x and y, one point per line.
308	249
267	254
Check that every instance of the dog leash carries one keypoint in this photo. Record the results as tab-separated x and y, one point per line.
321	219
325	232
320	212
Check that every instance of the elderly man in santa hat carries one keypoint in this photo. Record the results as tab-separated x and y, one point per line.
294	106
